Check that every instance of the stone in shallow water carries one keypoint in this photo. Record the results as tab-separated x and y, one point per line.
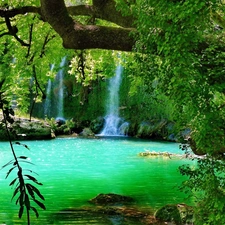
177	213
110	199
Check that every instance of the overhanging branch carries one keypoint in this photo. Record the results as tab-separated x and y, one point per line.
78	36
19	11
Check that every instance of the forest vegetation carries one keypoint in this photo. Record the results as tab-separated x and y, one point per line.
173	54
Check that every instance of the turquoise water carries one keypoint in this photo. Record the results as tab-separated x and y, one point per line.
74	170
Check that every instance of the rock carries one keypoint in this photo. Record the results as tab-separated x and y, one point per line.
87	132
102	215
153	154
97	125
177	213
60	121
124	128
111	199
156	154
31	130
153	129
24	129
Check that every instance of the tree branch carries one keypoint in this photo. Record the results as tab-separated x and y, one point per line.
3	34
13	30
46	41
77	36
17	11
30	40
108	12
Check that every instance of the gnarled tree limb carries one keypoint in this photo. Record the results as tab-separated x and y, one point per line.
78	36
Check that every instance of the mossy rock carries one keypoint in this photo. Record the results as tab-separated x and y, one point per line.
97	125
177	213
169	213
31	130
87	132
111	199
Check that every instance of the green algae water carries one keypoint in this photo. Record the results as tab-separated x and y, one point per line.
74	170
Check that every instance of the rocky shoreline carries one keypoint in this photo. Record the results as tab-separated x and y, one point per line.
24	129
114	207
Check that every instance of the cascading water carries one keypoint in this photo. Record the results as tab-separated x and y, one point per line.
60	101
112	119
47	104
53	106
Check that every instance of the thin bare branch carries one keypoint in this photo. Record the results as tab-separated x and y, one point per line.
13	30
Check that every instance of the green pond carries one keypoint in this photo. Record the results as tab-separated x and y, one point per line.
74	170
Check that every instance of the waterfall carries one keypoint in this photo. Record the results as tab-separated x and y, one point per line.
53	106
112	119
60	77
47	104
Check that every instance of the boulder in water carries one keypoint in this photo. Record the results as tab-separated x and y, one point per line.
31	130
111	199
97	125
87	132
176	213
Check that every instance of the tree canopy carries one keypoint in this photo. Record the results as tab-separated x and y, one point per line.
176	48
75	34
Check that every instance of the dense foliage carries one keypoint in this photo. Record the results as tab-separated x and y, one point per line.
177	64
180	48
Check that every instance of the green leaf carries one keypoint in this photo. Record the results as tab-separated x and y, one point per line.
10	171
1	83
27	162
35	211
17	200
13	181
36	191
31	171
21	211
22	157
30	190
10	162
24	145
40	204
16	191
33	179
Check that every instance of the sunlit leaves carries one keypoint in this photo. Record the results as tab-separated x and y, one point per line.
45	49
18	3
206	180
86	66
191	73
